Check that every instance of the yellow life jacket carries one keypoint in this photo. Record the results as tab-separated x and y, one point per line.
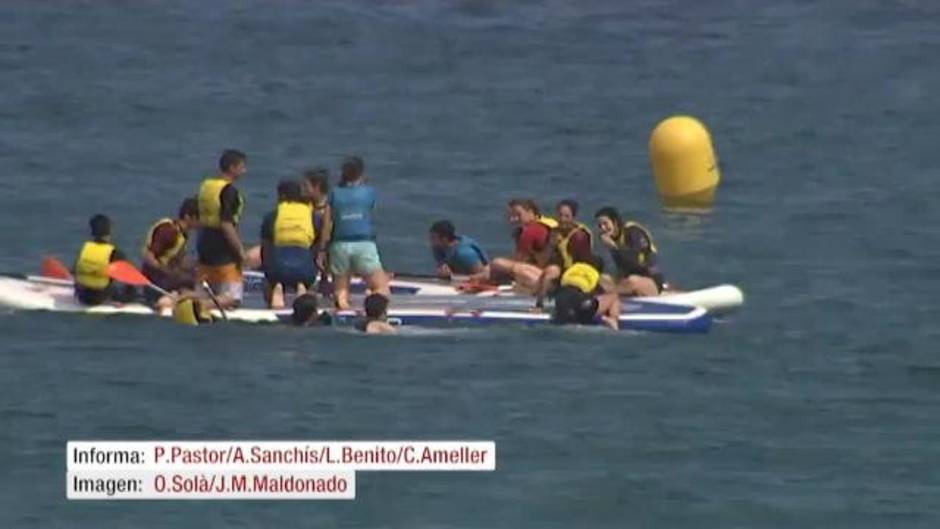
210	202
91	268
562	245
293	225
622	240
548	221
189	311
582	276
168	256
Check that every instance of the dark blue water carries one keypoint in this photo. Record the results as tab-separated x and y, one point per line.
815	406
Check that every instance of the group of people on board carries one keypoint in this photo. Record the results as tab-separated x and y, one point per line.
318	236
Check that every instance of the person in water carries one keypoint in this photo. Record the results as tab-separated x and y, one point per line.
93	284
307	314
350	232
571	243
287	244
533	236
219	246
164	254
376	320
190	310
580	299
457	254
634	253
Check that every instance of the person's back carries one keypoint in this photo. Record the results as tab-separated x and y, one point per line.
376	320
287	236
352	213
93	284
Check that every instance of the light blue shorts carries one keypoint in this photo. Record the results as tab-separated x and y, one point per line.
359	258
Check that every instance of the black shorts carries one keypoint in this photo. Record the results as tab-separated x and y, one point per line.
574	306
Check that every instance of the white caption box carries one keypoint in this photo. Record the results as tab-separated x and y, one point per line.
210	485
306	455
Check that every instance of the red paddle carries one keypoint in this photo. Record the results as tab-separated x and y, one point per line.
127	273
53	268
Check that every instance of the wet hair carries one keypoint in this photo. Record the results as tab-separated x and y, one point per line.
100	226
230	158
375	305
189	208
353	167
319	178
289	190
444	229
569	203
612	214
305	309
526	204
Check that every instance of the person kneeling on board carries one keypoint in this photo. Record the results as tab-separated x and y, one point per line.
307	314
581	300
190	310
164	255
376	320
633	252
571	243
457	254
287	245
533	236
93	284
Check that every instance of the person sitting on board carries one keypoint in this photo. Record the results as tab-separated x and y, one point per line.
164	255
457	254
376	320
93	284
533	236
350	232
306	312
634	253
571	243
190	310
580	299
287	245
219	246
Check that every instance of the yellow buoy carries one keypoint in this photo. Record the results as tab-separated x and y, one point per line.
684	162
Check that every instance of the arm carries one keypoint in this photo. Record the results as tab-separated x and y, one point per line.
323	238
233	238
229	204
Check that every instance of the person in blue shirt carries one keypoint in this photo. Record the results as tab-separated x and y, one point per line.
457	254
351	235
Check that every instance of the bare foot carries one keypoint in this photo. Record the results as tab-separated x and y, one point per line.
611	322
277	296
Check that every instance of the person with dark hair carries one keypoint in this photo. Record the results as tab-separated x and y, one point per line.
164	254
93	285
634	253
571	243
287	244
317	189
376	320
350	232
220	249
306	312
581	299
456	254
533	233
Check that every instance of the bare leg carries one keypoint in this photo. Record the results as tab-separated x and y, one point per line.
526	276
637	286
378	282
549	275
277	296
608	308
341	290
301	289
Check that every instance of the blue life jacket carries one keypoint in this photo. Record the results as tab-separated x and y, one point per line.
352	213
463	256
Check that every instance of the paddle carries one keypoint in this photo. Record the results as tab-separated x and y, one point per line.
215	300
127	273
55	269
